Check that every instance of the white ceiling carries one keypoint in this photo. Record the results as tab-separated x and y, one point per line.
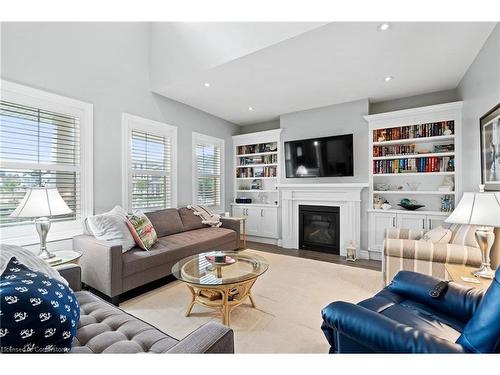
300	66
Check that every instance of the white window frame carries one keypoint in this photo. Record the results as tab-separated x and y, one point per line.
23	234
198	137
133	122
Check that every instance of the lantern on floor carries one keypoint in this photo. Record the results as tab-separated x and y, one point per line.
351	252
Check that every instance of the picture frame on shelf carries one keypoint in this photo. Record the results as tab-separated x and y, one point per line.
489	125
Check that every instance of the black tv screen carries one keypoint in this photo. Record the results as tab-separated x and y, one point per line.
320	157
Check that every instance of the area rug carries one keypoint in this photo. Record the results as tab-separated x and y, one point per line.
289	299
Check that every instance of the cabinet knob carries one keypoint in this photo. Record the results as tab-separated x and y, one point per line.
423	223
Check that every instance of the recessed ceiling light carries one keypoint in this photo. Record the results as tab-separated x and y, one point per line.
388	78
383	26
250	108
207	84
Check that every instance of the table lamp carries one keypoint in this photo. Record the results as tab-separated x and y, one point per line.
481	209
41	203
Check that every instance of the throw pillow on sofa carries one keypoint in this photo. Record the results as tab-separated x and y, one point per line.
437	235
111	226
142	230
39	314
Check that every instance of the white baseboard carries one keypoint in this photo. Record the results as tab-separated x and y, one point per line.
270	241
363	254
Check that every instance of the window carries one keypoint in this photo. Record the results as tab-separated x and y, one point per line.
45	139
208	166
150	166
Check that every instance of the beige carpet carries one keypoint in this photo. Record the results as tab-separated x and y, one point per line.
289	298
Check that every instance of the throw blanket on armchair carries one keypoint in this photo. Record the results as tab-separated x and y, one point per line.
207	216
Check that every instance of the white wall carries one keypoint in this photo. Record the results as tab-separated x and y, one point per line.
334	120
480	91
259	127
106	64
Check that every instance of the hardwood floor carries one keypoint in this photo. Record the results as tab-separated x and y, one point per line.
375	265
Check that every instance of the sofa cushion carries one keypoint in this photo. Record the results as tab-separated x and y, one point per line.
142	230
189	220
166	222
462	234
104	328
172	248
39	314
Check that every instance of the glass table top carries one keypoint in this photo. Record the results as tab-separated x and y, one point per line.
198	270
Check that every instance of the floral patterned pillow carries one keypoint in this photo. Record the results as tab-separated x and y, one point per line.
142	230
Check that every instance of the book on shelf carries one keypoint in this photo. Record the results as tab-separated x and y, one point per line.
398	150
262	159
412	165
433	129
257	148
256	172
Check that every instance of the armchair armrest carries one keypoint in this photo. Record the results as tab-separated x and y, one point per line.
432	252
234	224
380	333
73	275
209	338
458	301
101	263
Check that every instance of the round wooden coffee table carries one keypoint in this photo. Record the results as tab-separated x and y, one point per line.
220	286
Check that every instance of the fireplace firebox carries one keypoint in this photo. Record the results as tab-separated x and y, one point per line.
319	228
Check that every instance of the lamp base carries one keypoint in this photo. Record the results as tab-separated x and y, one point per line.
485	271
485	238
42	225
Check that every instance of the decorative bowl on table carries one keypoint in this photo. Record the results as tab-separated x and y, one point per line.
223	260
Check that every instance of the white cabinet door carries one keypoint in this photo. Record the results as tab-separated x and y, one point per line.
269	222
379	222
435	221
238	211
413	222
253	221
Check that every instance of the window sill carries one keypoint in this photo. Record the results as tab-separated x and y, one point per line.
26	235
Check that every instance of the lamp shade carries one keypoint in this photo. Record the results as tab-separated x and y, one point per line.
41	201
477	209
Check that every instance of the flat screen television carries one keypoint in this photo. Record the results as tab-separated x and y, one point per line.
320	157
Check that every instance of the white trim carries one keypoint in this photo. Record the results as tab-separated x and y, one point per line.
132	122
17	93
198	137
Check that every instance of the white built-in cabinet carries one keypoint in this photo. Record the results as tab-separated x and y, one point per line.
398	142
256	174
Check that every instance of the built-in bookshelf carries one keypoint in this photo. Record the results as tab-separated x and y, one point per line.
413	154
256	167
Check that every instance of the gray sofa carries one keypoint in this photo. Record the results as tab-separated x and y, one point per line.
180	234
104	328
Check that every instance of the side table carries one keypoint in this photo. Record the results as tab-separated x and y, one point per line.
456	271
243	222
63	257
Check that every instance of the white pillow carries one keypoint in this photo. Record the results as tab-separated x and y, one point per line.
29	259
437	235
111	226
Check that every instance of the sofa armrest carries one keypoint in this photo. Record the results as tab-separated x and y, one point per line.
101	264
432	252
210	338
458	301
234	224
379	333
72	273
403	234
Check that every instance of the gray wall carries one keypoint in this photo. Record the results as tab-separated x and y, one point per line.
259	127
480	91
438	97
107	64
334	120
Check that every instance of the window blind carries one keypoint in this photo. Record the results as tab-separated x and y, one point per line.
37	147
151	163
208	174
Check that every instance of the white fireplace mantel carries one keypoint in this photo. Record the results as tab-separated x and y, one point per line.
346	196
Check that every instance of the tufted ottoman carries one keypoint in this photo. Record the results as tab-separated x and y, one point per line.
104	328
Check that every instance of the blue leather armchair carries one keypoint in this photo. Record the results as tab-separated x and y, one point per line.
403	318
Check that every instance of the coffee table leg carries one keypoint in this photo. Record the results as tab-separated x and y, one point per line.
225	307
251	300
193	300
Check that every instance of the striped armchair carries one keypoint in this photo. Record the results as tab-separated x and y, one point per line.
404	251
